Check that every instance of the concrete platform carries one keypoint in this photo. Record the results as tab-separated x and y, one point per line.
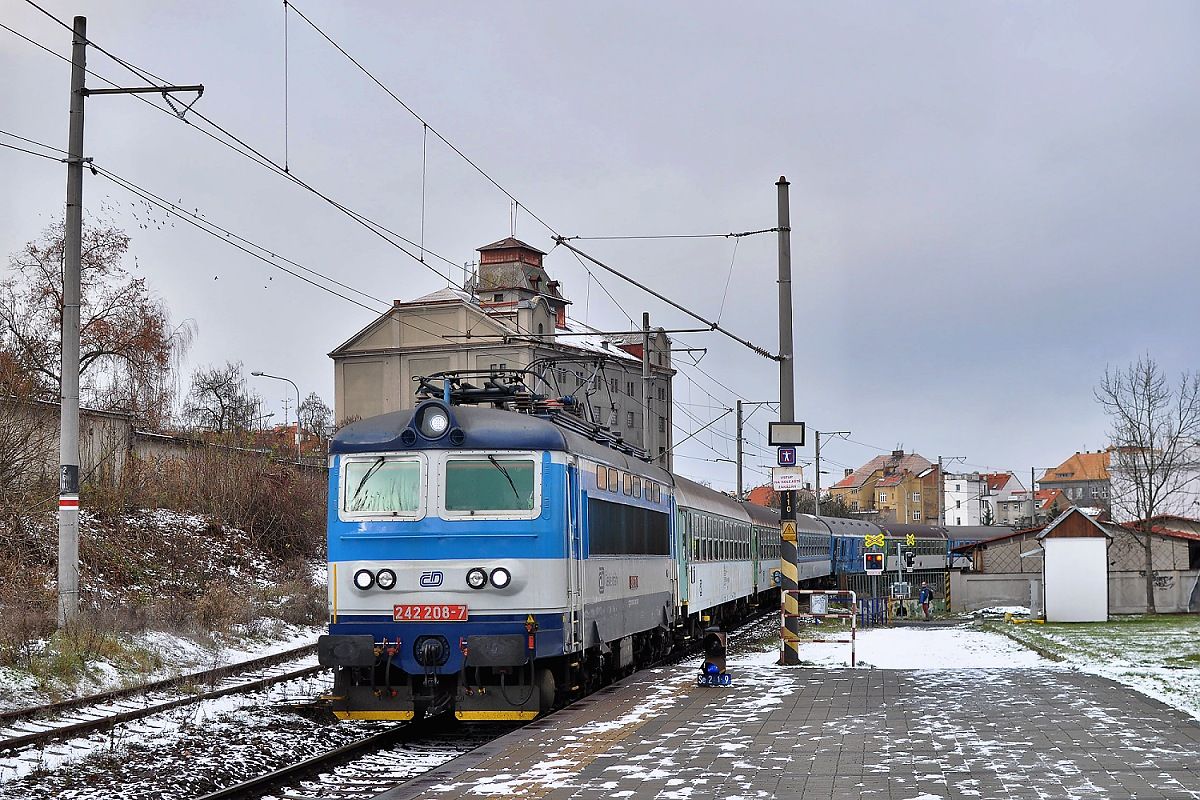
816	734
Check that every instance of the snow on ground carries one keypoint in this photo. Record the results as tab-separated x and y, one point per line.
180	656
912	648
160	730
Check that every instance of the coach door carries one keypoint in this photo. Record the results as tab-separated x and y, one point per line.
574	560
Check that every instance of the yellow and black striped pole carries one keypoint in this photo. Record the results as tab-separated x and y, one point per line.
790	630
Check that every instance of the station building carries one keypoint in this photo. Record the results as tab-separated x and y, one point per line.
510	316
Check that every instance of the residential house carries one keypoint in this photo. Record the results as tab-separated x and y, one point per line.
1083	478
898	487
1014	509
509	319
973	498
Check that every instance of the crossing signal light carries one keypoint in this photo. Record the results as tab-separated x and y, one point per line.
910	560
873	563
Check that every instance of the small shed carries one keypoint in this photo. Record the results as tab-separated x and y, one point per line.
1075	568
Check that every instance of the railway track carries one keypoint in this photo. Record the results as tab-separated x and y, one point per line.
38	726
369	766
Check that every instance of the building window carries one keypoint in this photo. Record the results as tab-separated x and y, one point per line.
498	298
499	367
958	487
958	520
662	425
958	503
540	329
662	393
883	497
1095	491
579	377
628	419
612	385
595	382
916	497
629	388
596	413
916	514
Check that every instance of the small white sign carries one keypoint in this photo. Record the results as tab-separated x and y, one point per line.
787	479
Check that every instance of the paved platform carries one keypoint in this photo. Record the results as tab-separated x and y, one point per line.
816	734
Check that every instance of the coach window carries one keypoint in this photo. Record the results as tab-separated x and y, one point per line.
627	483
386	486
613	483
637	486
602	479
483	485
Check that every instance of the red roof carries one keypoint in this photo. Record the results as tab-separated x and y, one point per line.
907	462
891	480
1159	525
996	480
761	496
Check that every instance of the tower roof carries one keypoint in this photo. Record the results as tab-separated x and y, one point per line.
509	243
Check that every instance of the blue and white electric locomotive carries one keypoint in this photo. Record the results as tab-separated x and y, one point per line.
489	562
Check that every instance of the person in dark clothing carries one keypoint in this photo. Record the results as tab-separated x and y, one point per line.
925	598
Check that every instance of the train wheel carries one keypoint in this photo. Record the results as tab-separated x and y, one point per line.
546	690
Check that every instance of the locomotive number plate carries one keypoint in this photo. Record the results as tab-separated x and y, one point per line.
429	613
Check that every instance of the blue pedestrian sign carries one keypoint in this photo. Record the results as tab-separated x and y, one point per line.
787	456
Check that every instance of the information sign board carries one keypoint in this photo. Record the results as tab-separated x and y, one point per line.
787	479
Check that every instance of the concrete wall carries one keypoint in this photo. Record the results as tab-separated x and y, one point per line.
970	591
1175	591
105	440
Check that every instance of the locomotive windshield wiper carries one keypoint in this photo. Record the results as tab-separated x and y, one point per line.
366	476
504	472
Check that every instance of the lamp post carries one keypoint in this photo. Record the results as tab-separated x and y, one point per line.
297	388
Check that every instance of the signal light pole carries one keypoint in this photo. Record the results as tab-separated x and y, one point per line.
68	435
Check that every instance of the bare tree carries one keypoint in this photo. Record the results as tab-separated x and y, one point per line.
129	350
219	400
315	416
1154	432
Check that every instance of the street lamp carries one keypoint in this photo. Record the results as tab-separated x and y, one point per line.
297	388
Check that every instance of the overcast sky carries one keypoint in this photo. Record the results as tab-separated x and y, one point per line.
991	201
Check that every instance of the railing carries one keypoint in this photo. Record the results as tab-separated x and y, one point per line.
850	614
872	611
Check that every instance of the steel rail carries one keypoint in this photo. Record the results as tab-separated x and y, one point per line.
252	787
106	719
205	676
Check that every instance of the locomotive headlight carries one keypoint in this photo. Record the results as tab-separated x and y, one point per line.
364	579
385	579
501	577
477	578
434	422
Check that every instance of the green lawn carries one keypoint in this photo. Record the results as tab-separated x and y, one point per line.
1159	654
